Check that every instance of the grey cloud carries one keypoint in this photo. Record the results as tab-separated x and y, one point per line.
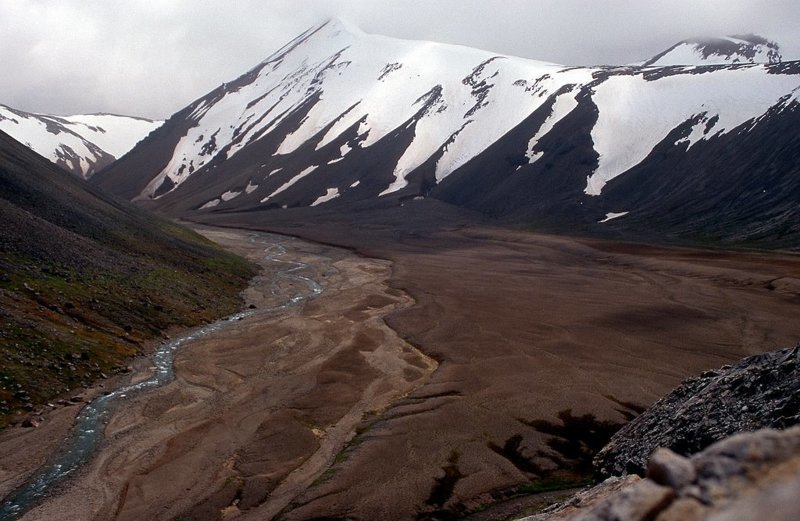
151	57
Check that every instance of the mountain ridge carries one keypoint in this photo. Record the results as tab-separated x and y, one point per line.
339	117
81	144
747	48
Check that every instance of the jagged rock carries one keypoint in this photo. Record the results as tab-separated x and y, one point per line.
761	391
746	477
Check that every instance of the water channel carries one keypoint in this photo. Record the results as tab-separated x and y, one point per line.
88	432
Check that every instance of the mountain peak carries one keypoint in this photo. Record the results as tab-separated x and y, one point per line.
748	48
337	24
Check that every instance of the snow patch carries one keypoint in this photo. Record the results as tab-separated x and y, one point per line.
211	204
610	216
562	106
332	193
291	182
230	194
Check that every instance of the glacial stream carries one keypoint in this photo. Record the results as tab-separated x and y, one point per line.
88	431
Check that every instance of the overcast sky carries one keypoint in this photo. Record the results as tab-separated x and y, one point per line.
153	57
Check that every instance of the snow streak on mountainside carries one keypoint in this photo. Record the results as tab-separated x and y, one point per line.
719	51
339	117
81	144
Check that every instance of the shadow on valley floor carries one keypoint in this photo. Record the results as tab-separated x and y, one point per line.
572	444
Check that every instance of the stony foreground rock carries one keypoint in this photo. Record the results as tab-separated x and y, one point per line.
747	477
761	391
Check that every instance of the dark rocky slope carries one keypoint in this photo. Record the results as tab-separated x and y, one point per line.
761	391
86	280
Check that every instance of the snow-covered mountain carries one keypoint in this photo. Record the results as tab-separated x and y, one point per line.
81	144
748	48
338	117
348	90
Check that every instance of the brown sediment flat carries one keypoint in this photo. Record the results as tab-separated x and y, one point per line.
526	326
259	411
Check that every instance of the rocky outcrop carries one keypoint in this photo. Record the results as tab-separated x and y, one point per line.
709	451
761	391
746	477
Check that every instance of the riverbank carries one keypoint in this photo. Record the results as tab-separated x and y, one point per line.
255	415
31	443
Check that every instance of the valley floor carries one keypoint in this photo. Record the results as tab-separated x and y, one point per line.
540	340
326	411
257	413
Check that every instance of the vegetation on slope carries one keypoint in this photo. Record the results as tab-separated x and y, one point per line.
87	280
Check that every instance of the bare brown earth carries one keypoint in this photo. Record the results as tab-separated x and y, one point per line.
258	413
535	336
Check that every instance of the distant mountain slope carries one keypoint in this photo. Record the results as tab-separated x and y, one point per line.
86	279
339	117
719	51
81	144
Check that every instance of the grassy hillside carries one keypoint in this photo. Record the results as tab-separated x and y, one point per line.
86	280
